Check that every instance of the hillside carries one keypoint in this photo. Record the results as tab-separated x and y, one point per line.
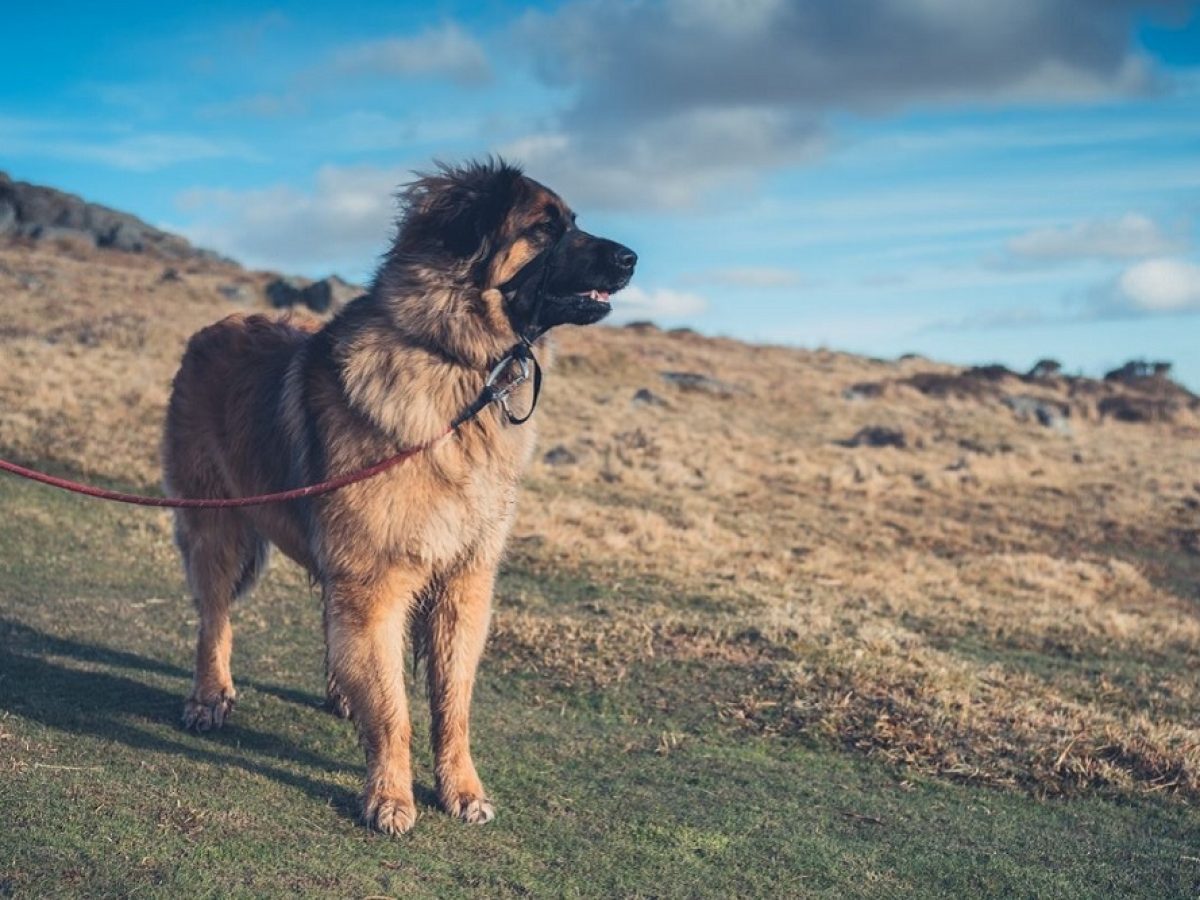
44	214
969	575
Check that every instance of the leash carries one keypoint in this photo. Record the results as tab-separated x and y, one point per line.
494	391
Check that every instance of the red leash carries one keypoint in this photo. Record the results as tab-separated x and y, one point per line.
312	490
496	389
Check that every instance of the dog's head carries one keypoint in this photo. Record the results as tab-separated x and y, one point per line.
513	238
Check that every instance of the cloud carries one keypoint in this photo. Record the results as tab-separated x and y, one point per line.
446	51
361	130
672	98
1132	236
647	58
661	303
753	277
342	224
672	163
1150	288
254	106
137	153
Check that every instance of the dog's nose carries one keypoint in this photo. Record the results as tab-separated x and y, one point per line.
625	258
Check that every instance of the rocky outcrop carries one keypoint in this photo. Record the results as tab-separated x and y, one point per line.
699	383
877	436
327	295
42	213
330	294
1138	391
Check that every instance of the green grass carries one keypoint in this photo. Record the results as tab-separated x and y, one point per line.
637	789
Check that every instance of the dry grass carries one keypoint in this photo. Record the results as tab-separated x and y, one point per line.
998	601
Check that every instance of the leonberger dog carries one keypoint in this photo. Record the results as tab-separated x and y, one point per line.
406	559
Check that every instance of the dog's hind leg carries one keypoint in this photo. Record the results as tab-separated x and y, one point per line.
335	700
223	556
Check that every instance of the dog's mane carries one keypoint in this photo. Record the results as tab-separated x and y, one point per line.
430	282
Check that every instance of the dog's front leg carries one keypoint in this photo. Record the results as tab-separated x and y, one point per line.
367	623
458	624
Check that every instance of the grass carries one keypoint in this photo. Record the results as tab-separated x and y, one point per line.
631	786
731	655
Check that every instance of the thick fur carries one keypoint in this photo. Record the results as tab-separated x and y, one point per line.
410	556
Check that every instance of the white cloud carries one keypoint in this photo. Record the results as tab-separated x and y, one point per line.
342	224
1153	287
1132	236
753	277
660	303
447	51
672	163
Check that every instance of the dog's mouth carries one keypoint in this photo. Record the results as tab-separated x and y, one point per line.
602	292
594	294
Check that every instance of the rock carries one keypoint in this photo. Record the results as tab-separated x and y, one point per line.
641	326
327	295
285	292
330	294
976	383
1043	370
44	214
877	436
1136	371
864	390
124	236
170	274
559	456
238	293
1048	413
63	238
990	372
1138	408
703	384
647	397
8	216
976	446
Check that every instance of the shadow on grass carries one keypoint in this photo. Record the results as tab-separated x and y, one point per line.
102	704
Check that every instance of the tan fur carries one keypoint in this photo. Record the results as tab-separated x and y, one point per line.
408	555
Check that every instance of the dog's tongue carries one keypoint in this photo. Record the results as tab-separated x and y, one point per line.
602	296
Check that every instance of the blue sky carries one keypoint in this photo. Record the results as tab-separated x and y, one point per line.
965	179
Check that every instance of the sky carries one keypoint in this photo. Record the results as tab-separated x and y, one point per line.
970	180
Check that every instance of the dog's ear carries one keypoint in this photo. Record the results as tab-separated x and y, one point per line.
458	210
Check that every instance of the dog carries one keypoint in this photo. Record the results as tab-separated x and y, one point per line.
482	255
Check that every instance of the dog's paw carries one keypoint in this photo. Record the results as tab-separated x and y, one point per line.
210	711
391	815
470	808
